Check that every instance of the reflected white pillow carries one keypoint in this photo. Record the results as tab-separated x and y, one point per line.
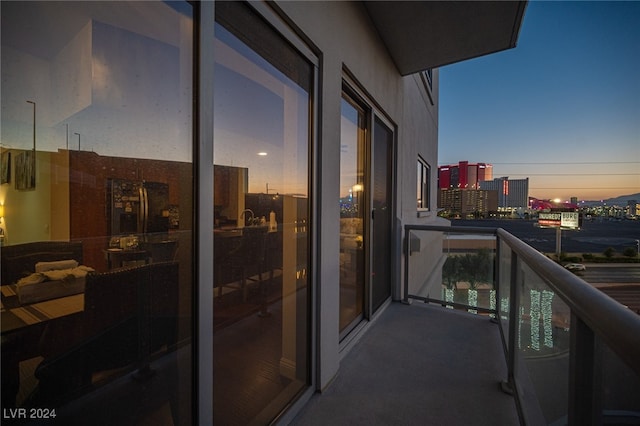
53	266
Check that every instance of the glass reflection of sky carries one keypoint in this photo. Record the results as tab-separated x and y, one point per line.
119	84
259	109
348	149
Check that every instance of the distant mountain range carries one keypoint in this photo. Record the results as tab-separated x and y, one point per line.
621	200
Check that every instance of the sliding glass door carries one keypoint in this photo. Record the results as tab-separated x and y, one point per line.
353	207
366	210
381	204
97	255
262	139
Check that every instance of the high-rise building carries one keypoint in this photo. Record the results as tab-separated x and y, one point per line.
467	202
512	193
464	175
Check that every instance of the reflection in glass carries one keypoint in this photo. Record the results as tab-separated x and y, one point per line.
543	343
352	208
468	271
99	248
261	181
422	190
504	287
621	388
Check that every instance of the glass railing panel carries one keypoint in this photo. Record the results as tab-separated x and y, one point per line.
425	264
537	331
468	272
461	272
543	344
504	287
621	390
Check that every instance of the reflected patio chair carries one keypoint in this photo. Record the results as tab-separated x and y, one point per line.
129	314
247	261
162	251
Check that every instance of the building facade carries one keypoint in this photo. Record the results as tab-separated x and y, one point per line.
225	184
464	175
476	203
512	193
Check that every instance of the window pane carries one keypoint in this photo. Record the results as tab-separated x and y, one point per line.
97	128
419	194
261	197
423	184
352	210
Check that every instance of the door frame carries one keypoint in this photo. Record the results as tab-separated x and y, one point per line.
352	89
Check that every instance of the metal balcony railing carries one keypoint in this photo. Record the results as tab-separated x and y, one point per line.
572	352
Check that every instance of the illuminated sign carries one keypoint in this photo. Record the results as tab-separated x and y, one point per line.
564	220
570	220
551	220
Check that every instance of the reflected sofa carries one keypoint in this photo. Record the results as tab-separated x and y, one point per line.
20	260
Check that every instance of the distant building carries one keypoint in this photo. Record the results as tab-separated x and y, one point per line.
632	207
512	193
464	175
537	204
467	202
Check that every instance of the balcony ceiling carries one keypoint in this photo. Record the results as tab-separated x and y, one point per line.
430	34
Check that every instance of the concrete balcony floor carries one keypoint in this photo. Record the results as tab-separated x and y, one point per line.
419	364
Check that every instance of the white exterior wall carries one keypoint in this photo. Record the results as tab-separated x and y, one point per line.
345	37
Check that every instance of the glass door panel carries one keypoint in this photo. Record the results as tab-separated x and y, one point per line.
97	123
381	214
352	214
262	110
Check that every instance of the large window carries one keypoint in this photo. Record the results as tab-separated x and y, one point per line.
97	262
262	138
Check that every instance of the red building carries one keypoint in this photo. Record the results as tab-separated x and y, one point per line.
464	175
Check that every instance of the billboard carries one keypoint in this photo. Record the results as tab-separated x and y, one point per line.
563	220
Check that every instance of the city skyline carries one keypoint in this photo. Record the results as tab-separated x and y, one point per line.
562	108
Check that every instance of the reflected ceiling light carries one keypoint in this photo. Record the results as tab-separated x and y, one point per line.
262	154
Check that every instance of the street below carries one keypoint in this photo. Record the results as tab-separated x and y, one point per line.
594	238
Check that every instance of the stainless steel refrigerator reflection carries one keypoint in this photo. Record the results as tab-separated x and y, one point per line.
138	208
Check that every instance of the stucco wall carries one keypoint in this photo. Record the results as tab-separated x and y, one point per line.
344	38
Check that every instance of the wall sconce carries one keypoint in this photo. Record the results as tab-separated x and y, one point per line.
1	212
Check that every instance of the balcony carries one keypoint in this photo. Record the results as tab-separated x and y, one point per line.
501	335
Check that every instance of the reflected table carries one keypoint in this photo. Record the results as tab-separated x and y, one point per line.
118	258
22	328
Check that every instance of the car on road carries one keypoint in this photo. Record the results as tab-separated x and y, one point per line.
575	267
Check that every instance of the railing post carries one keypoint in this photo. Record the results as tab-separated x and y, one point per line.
514	308
496	280
585	377
405	298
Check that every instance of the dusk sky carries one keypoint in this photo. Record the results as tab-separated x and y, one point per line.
562	108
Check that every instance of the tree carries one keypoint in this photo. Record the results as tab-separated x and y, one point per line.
477	267
451	272
608	252
630	252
